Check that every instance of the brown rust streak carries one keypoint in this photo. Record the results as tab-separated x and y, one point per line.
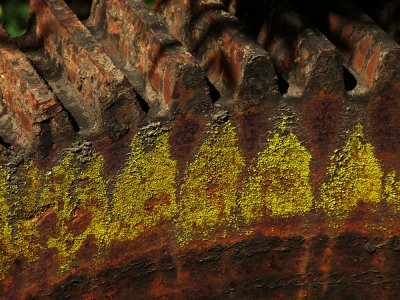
384	120
186	135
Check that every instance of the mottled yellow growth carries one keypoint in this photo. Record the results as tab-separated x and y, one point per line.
145	192
208	197
30	190
6	251
19	237
89	189
392	191
278	184
26	240
57	190
92	197
354	175
26	234
58	193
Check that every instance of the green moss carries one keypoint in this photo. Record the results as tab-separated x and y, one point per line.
354	175
145	192
208	197
6	254
278	184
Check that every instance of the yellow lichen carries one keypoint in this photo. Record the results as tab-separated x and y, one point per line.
80	193
354	175
145	192
19	235
26	234
212	197
91	194
278	184
57	190
58	193
6	251
208	196
31	190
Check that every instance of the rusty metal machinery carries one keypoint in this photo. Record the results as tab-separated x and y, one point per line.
201	149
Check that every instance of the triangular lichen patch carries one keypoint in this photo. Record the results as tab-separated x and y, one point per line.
278	184
145	192
208	196
353	176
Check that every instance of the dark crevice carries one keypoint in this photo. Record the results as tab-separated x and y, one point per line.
214	94
283	85
46	139
143	103
4	143
72	120
80	8
350	82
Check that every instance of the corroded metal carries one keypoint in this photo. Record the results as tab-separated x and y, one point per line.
252	196
91	88
366	50
155	62
30	114
301	55
239	68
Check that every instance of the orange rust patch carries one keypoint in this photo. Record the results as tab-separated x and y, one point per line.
361	52
25	121
80	221
167	90
334	22
372	65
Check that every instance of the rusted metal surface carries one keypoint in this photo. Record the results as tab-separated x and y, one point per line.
250	195
160	69
367	51
301	55
76	67
261	267
30	114
240	69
